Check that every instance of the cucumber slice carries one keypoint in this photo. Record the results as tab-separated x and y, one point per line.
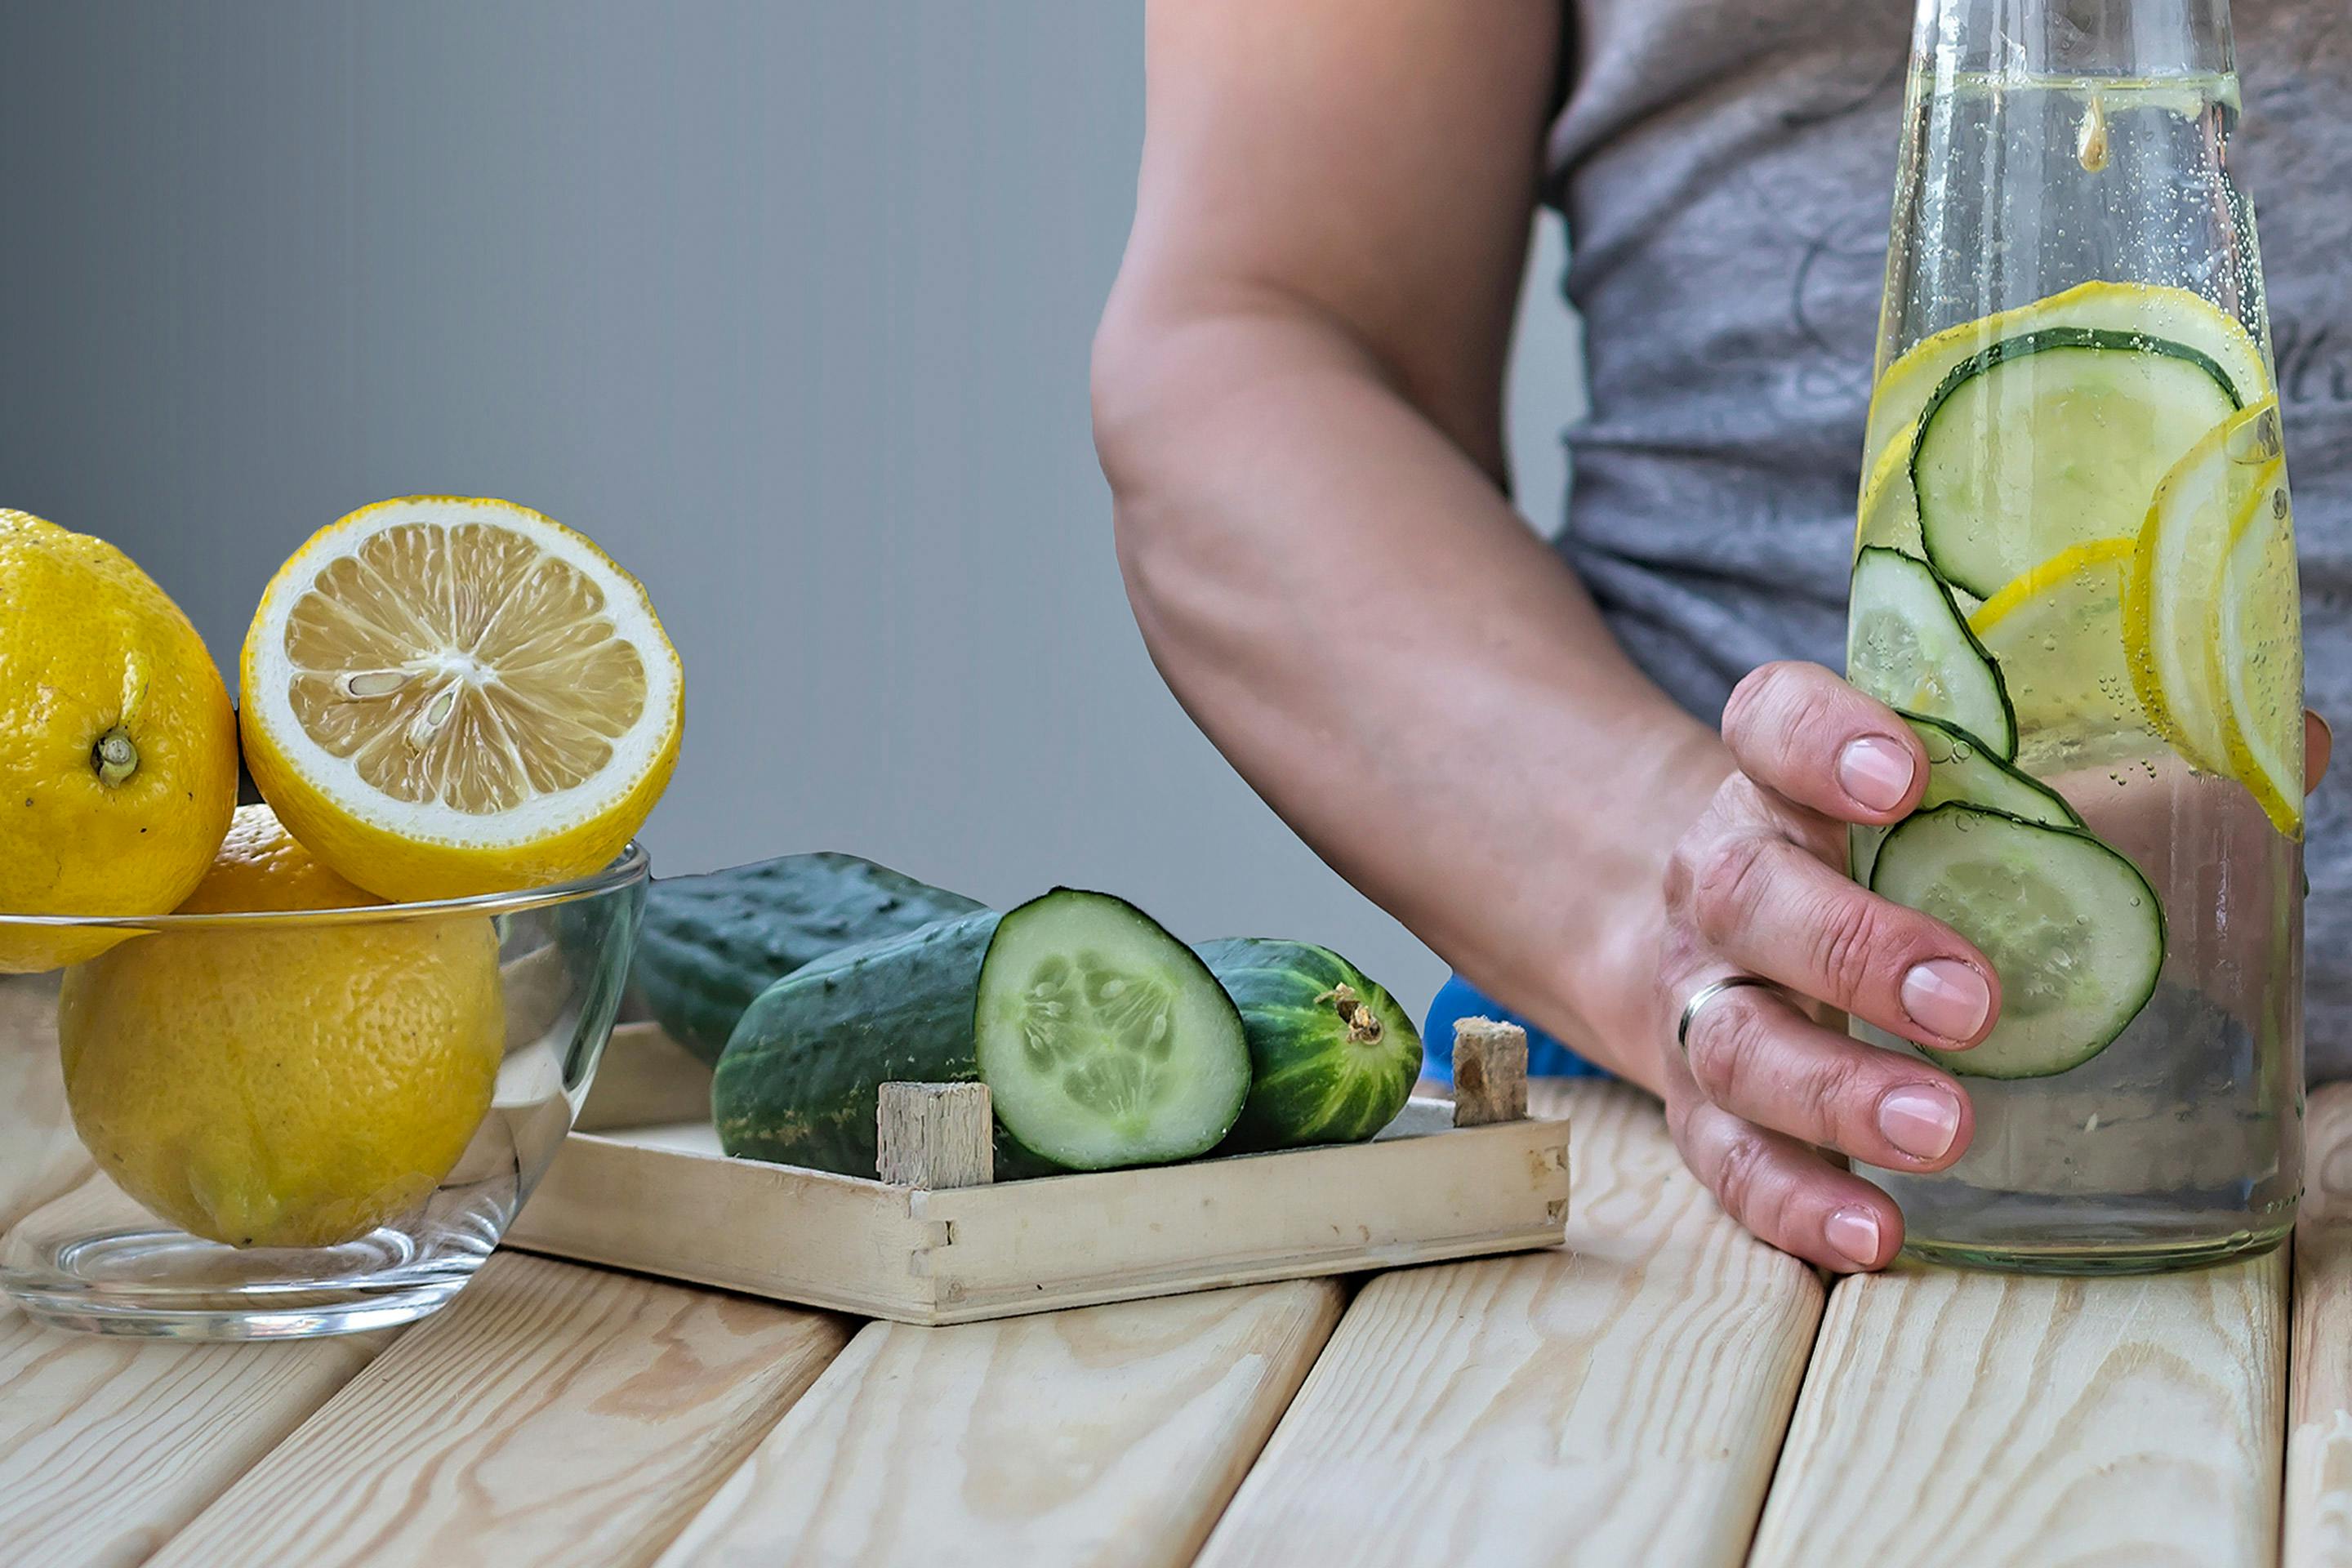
1963	769
1908	646
2053	439
1104	1040
2166	312
2072	928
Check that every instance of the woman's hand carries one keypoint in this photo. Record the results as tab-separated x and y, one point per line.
1758	887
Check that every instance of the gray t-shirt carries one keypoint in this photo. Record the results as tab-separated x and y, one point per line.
1726	167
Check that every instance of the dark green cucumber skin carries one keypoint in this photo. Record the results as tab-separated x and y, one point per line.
803	1072
1310	1083
711	943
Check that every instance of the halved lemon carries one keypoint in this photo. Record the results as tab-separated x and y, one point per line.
2215	560
2175	315
446	696
2057	633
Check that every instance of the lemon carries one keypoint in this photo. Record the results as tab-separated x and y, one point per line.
2177	315
445	697
117	747
2258	649
2174	593
2056	631
283	1087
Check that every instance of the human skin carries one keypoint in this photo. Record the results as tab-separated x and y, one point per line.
1297	393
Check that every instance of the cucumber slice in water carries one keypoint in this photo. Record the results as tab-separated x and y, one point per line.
2072	928
2053	439
1908	646
1104	1040
1963	769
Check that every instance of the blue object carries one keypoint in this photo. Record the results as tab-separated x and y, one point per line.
1458	999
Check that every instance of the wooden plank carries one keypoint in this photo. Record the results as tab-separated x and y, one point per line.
1108	1437
664	1201
109	1446
1620	1403
551	1415
2318	1524
1954	1418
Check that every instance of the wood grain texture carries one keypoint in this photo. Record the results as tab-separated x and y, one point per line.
1490	1072
1958	1419
1618	1403
109	1446
551	1415
2318	1524
935	1135
1104	1437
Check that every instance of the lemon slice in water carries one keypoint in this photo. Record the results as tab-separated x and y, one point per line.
2057	633
2259	648
2211	626
445	696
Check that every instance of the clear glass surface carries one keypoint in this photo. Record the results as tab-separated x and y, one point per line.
2049	146
92	1257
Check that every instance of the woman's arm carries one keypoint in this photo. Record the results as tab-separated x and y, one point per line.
1298	391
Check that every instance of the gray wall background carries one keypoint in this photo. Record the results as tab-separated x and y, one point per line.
787	304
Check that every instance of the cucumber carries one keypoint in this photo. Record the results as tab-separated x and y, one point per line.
2053	439
802	1075
2072	928
1908	646
1333	1057
1962	768
1104	1040
711	943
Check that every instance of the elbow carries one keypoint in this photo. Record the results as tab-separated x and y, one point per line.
1143	402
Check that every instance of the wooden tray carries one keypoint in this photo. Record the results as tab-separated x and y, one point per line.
642	1187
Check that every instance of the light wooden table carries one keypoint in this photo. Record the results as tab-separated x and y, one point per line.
1665	1390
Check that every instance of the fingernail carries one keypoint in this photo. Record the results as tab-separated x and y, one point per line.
1853	1235
1922	1122
1875	773
1946	998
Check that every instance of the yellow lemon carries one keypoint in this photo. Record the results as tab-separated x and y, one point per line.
281	1084
117	747
445	697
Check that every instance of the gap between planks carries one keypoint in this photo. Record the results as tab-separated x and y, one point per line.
1106	1436
1618	1403
551	1415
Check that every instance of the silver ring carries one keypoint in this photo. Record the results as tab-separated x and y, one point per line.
1708	992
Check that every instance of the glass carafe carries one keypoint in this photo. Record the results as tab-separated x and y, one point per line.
2075	568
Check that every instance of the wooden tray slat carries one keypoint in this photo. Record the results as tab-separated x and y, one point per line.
663	1200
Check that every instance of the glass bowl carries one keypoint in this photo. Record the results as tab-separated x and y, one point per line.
352	1104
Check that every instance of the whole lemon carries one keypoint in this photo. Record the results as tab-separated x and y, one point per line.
292	1087
117	747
